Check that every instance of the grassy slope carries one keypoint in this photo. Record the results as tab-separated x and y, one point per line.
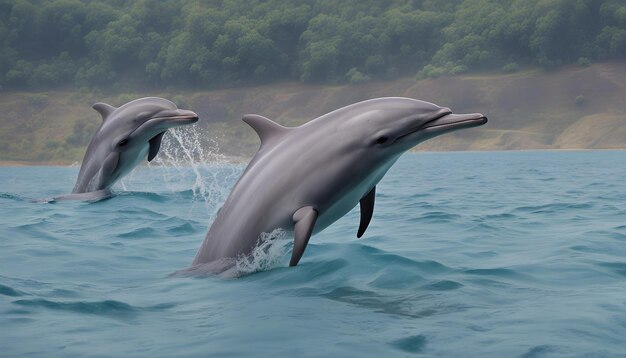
528	110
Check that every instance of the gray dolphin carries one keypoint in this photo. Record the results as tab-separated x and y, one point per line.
127	135
303	179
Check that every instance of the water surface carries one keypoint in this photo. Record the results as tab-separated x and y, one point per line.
468	254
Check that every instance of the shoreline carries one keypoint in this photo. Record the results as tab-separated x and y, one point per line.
24	163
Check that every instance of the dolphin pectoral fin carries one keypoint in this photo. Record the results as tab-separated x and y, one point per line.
367	209
264	127
104	109
155	145
108	167
304	218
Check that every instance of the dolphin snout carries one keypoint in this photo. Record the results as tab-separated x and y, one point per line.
179	114
186	114
454	121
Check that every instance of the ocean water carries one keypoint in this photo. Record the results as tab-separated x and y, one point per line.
505	254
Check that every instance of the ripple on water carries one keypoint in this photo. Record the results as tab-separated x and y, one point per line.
138	212
414	306
106	308
149	196
615	267
443	285
384	258
184	228
533	267
8	291
139	233
499	272
323	269
438	217
396	278
539	351
554	207
306	273
11	196
618	236
504	216
412	344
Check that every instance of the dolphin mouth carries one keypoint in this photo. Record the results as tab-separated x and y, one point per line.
182	117
447	121
164	122
454	121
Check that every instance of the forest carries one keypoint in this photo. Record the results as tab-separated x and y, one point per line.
120	45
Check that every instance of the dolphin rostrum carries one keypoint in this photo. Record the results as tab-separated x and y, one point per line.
303	179
127	135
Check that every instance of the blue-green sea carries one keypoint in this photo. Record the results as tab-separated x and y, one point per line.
501	254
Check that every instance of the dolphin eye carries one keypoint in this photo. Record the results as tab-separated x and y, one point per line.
123	142
381	140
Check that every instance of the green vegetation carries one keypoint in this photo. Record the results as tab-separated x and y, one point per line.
123	45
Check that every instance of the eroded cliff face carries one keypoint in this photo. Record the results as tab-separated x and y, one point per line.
571	108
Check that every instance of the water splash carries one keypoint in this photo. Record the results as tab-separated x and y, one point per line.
182	149
190	159
267	254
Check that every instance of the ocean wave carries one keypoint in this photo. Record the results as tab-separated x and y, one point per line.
504	216
438	216
106	308
325	270
530	268
184	228
411	305
497	272
618	236
395	278
540	351
411	344
554	207
145	195
384	258
139	233
443	285
8	291
618	268
15	197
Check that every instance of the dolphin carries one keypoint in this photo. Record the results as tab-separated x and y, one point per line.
302	179
127	135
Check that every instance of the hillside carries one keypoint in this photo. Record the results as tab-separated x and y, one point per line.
112	44
572	108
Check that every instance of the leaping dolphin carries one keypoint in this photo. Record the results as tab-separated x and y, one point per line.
303	179
127	135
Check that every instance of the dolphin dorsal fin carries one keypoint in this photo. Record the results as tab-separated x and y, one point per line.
104	109
267	129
